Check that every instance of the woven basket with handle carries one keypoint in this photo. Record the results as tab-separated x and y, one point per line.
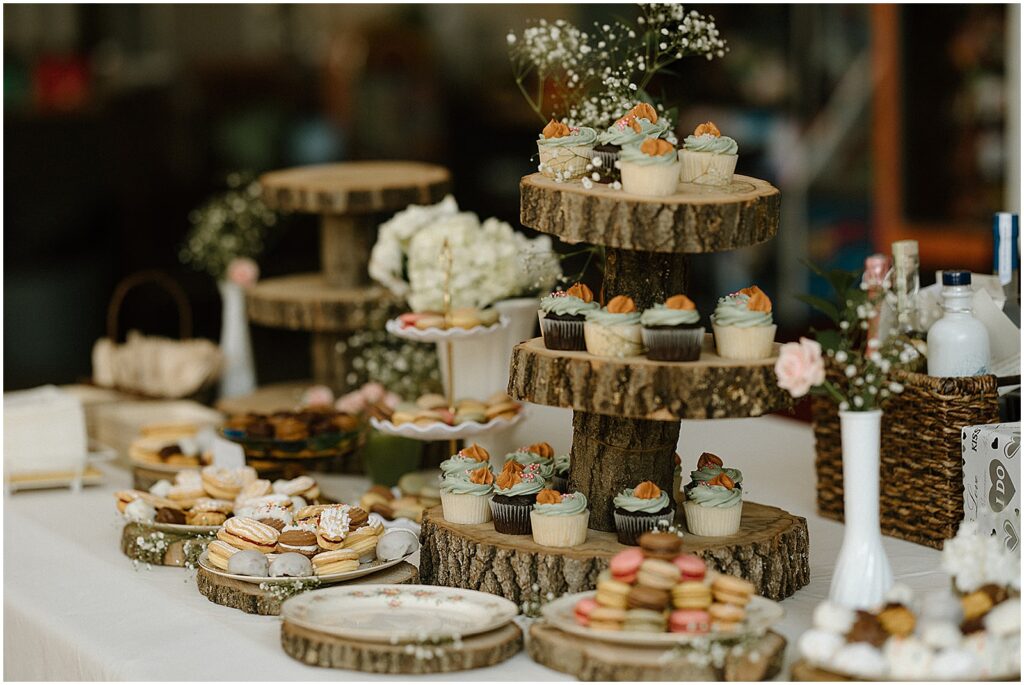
921	488
154	366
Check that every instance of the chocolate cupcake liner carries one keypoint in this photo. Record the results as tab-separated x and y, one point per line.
673	344
607	170
511	519
630	527
560	483
562	335
465	509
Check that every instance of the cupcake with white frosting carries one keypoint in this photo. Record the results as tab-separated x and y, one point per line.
672	331
614	330
707	157
743	325
565	151
650	168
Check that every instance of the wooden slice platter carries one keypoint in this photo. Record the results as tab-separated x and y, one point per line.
308	302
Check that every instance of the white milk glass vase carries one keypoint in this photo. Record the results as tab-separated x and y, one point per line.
238	375
862	575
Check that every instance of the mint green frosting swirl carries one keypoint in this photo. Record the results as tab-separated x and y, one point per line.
715	496
632	153
571	504
566	305
524	487
460	484
584	136
716	145
732	311
711	472
606	318
458	463
544	467
623	134
660	315
562	463
628	501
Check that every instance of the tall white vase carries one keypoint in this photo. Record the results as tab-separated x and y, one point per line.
862	574
238	376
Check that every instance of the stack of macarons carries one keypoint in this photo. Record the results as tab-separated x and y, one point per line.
432	408
657	588
462	317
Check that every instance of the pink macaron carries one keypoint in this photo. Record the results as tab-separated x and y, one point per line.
625	564
689	621
691	566
583	609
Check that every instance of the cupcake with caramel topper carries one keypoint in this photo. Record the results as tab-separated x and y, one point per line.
466	495
650	168
562	314
640	509
560	520
672	331
635	126
560	481
743	325
515	490
540	454
467	459
565	151
707	157
614	330
713	505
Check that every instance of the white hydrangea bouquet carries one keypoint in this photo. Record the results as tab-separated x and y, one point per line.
491	261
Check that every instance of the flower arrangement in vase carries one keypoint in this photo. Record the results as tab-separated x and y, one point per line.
854	368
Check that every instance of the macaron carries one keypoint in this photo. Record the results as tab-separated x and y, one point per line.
689	621
691	594
658	574
690	566
660	545
625	565
732	590
645	621
642	597
583	609
612	593
607	618
726	617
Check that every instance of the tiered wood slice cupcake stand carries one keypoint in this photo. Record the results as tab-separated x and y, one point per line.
352	199
627	411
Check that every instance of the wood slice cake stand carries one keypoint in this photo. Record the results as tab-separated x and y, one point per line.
594	660
329	651
803	672
770	550
352	199
251	599
147	545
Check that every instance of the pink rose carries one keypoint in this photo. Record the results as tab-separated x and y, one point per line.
317	396
800	367
352	403
243	271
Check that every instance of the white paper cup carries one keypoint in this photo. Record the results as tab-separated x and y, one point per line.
712	522
706	168
465	509
656	180
733	342
613	341
560	531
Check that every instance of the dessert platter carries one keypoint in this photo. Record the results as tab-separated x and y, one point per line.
293	436
464	322
406	629
432	417
161	451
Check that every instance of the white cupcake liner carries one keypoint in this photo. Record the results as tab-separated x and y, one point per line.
629	528
613	341
655	180
733	342
560	531
560	334
706	168
571	161
511	519
712	522
465	508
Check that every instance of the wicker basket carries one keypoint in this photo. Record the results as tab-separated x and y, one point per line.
921	471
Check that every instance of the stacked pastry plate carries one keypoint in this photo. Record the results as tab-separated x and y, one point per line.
363	570
442	431
762	614
395	327
397	614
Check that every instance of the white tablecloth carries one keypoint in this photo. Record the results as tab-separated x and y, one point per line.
75	608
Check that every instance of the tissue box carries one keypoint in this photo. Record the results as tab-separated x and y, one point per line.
44	432
991	455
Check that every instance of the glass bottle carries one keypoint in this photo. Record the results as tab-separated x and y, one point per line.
906	282
1006	261
958	342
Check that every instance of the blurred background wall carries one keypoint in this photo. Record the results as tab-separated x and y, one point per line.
877	123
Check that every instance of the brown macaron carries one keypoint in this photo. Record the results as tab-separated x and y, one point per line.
641	597
660	545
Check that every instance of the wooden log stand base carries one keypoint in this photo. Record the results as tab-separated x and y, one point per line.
770	550
803	672
477	651
594	660
251	599
144	544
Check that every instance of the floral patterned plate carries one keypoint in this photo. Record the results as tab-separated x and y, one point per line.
762	614
363	570
394	327
398	613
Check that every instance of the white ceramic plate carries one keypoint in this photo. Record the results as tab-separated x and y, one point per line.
762	614
363	570
442	431
398	613
394	327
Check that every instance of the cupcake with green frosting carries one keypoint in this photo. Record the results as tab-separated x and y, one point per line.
614	330
539	454
560	520
743	325
710	466
562	314
515	490
565	151
467	459
650	168
672	331
634	127
707	157
713	508
640	509
560	480
466	495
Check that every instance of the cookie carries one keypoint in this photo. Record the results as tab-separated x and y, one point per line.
583	609
625	564
292	565
690	566
246	533
336	561
692	621
607	618
645	621
612	593
641	597
299	541
732	590
691	594
248	562
658	574
897	620
660	545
